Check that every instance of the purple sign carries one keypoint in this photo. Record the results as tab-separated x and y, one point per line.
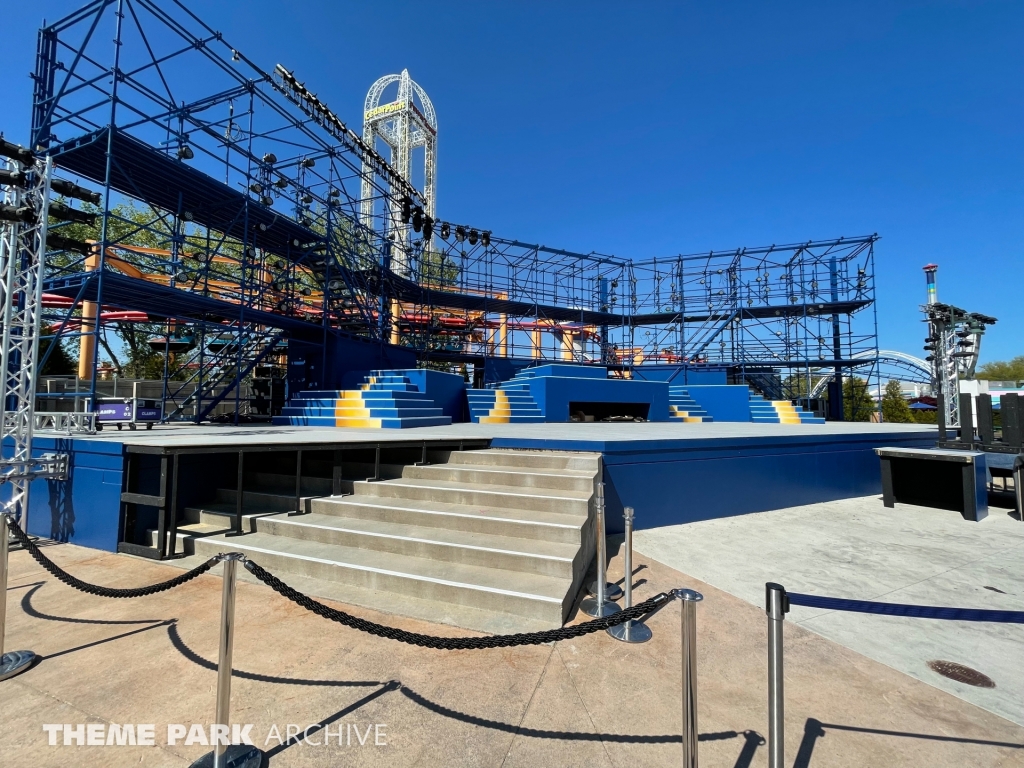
114	412
142	413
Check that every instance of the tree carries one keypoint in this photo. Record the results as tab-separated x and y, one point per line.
857	402
1003	371
895	409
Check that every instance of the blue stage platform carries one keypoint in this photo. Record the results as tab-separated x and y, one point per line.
669	473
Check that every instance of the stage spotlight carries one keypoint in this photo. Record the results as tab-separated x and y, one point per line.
62	187
334	193
281	183
446	230
185	152
65	213
13	151
428	228
308	162
417	219
307	292
185	215
270	158
473	237
307	199
406	210
256	188
460	234
485	239
262	227
267	200
234	55
13	178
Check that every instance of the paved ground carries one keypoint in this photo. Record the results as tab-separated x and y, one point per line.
857	548
591	701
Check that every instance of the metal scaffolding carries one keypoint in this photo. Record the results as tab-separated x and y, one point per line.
239	214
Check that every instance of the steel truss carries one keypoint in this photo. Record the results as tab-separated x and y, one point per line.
264	219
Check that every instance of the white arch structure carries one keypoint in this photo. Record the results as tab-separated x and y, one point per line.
919	369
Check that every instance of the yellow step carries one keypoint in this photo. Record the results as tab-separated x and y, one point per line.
360	423
494	419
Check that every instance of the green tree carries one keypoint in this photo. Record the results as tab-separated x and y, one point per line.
895	409
857	402
1003	371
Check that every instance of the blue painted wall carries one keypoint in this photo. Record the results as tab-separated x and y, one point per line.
554	393
85	510
447	390
683	374
726	402
679	481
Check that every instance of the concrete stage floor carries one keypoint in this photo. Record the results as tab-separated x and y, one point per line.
585	702
856	548
187	435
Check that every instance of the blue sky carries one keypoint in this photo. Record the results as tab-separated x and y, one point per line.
649	129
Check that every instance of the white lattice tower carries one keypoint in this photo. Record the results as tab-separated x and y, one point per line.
22	249
404	127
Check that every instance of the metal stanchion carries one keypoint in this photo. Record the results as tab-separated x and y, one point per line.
776	606
15	662
688	600
599	605
630	631
225	754
611	591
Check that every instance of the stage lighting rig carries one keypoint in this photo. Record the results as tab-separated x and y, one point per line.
446	230
13	151
185	152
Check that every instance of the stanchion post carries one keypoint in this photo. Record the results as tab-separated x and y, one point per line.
224	753
15	662
599	605
776	606
688	600
630	631
1018	484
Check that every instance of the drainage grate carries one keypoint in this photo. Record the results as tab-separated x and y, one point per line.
962	674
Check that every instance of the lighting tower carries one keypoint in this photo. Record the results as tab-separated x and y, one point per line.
403	126
953	346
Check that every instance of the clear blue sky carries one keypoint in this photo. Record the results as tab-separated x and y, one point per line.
647	129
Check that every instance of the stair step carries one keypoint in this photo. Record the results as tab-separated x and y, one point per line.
570	502
520	524
530	595
566	480
449	545
528	459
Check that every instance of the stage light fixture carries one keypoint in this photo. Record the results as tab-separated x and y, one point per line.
66	213
69	189
930	358
60	243
485	239
13	151
262	227
334	193
446	230
270	158
278	264
267	200
281	183
417	219
473	237
460	234
256	188
428	228
406	210
308	162
307	199
185	152
234	55
13	178
185	215
307	292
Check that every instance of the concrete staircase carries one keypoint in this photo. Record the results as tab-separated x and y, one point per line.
492	540
779	412
384	400
682	407
503	406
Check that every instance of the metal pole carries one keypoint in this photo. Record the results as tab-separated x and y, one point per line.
688	617
1018	483
630	631
611	591
15	662
598	605
225	754
777	605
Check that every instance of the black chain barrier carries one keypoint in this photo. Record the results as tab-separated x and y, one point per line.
93	589
901	609
453	643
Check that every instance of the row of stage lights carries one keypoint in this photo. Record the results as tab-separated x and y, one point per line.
421	222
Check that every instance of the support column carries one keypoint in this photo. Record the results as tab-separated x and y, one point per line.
87	341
